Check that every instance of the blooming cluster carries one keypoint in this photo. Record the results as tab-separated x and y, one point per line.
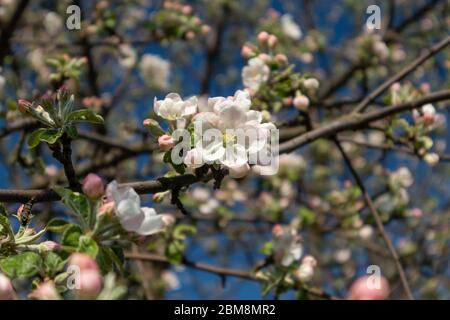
155	71
221	131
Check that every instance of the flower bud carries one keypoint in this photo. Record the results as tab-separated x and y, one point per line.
165	142
90	284
190	35
93	186
49	246
301	102
154	127
187	9
277	230
311	84
240	171
281	58
247	52
369	288
206	29
24	105
308	259
305	272
45	291
6	288
272	40
83	261
429	114
431	158
265	57
263	36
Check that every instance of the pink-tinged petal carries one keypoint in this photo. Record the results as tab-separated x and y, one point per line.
151	222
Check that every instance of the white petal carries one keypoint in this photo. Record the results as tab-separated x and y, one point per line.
151	223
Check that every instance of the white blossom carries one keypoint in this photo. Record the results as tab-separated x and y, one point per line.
287	247
144	221
255	73
290	28
174	108
155	71
127	56
53	23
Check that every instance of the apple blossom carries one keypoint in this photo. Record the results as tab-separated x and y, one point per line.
255	73
6	288
247	52
287	247
311	85
290	28
240	171
90	284
281	58
263	36
272	40
53	23
128	56
165	142
45	291
174	108
155	71
301	102
93	186
364	289
144	221
431	158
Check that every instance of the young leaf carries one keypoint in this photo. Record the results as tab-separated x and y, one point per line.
77	202
88	245
58	225
85	115
35	138
23	265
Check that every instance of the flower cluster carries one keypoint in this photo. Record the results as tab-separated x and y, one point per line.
213	132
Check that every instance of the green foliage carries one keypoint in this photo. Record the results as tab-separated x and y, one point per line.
23	265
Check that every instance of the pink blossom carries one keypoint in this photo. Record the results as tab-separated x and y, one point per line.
365	288
90	284
83	261
165	142
6	288
93	186
263	36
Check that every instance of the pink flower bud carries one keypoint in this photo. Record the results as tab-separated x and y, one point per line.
287	101
168	219
190	35
311	85
247	52
369	288
301	102
93	186
429	114
240	171
309	260
281	58
206	29
396	87
45	291
90	284
83	261
263	36
265	57
50	246
165	142
23	105
187	10
277	230
6	288
272	41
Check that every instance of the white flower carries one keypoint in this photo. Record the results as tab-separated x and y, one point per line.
53	23
431	158
290	28
255	73
402	177
231	121
174	108
144	221
128	56
155	71
287	247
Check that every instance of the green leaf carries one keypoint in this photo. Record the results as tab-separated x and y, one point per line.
77	202
51	135
71	131
58	225
71	236
88	245
53	264
35	138
85	115
23	265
